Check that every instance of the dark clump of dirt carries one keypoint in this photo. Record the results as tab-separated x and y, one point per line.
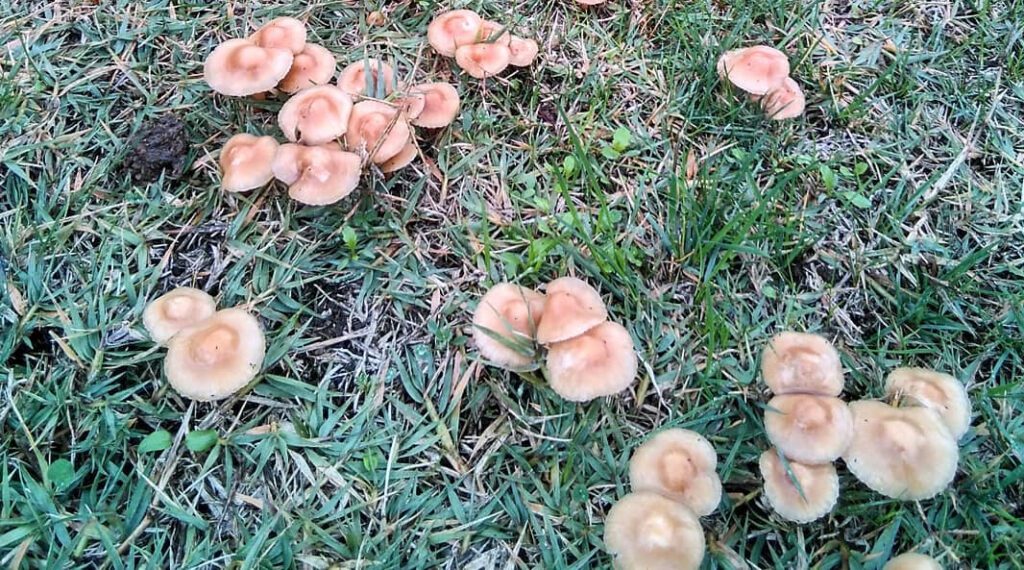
159	147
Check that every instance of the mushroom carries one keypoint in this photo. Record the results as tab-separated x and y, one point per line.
574	308
504	323
940	392
757	69
493	32
314	65
353	79
449	30
784	102
216	357
245	162
802	363
912	561
902	453
600	362
804	493
317	175
315	115
440	105
378	129
281	33
404	157
646	531
483	60
175	310
679	464
523	51
808	428
240	67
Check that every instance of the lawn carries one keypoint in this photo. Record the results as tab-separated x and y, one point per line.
888	218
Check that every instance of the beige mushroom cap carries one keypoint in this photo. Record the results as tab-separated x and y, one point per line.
801	363
449	30
807	428
317	175
940	392
368	130
367	77
281	33
314	65
757	69
815	497
600	362
175	310
679	464
404	158
216	357
903	453
240	67
511	312
785	101
523	50
493	32
316	115
646	531
245	162
483	60
912	561
440	105
573	308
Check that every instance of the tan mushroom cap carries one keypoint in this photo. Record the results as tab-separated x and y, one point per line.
807	428
493	32
314	65
449	30
757	69
523	50
245	162
440	105
940	392
483	60
367	77
600	362
315	115
317	175
801	363
511	312
281	33
646	531
404	158
679	464
912	561
240	67
903	453
573	308
175	310
411	103
784	102
216	357
368	129
816	495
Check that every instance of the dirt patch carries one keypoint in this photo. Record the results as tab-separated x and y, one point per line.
159	147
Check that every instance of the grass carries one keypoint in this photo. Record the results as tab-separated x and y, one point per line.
888	218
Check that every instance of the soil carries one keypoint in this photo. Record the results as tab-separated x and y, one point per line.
158	148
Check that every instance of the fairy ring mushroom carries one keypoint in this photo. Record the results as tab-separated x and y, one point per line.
316	115
504	323
808	428
245	162
786	101
679	464
175	310
440	105
940	392
240	67
756	70
574	307
801	494
317	175
483	60
369	76
493	32
215	357
450	30
523	51
314	65
404	158
646	531
378	129
599	362
794	363
281	33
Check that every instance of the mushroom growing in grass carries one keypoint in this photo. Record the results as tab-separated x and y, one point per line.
786	101
599	362
314	65
216	357
802	493
756	70
404	158
483	60
245	162
646	531
504	323
523	51
281	33
679	464
450	30
378	129
940	392
317	175
912	561
176	310
808	428
367	77
574	307
493	32
240	67
315	115
802	363
440	105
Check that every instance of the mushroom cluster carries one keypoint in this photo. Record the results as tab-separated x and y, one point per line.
482	48
211	354
334	131
587	355
763	73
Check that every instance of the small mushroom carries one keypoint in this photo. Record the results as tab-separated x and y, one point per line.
377	129
574	308
493	32
808	428
483	60
646	531
175	310
216	357
404	158
314	65
240	67
795	363
245	162
504	323
367	77
440	105
317	175
523	50
449	30
600	362
281	33
902	453
940	392
912	561
679	464
784	102
756	70
315	115
804	493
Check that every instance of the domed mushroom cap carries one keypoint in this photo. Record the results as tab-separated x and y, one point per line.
600	362
493	32
510	312
216	357
801	363
807	428
314	65
367	77
646	531
240	67
317	175
483	60
912	561
281	33
757	69
404	158
175	310
573	307
449	30
679	464
902	453
316	115
245	162
523	51
377	126
784	102
940	392
816	495
440	105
